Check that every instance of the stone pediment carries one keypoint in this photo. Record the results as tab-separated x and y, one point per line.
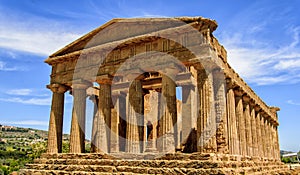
122	28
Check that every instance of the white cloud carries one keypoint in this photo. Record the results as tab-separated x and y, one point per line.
35	35
288	64
293	103
263	43
28	92
3	67
26	122
262	63
38	42
19	92
31	101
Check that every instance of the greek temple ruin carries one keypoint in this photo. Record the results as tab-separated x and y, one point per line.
162	91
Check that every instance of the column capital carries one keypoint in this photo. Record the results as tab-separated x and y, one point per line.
104	79
188	85
252	103
219	74
81	84
59	88
265	115
257	108
238	93
230	84
246	99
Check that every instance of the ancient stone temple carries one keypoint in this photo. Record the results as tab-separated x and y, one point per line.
166	101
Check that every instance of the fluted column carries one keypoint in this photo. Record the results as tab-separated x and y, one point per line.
77	135
152	120
220	108
56	118
267	136
233	141
263	136
277	144
95	100
103	124
275	137
270	140
260	148
118	112
254	131
273	140
247	117
241	121
135	118
206	121
202	116
167	129
188	119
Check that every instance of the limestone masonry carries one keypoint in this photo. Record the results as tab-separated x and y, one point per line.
166	102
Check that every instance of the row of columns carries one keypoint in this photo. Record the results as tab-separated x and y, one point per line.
105	131
212	124
250	132
225	119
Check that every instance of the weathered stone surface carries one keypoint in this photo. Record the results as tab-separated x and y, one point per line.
222	125
170	164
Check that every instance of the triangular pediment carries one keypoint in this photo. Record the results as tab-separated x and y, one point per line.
122	28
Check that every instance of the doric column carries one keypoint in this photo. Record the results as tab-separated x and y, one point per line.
168	129
264	136
267	135
270	143
277	151
276	140
135	118
103	117
206	121
241	121
117	113
259	132
77	135
152	120
188	118
56	118
233	141
254	131
220	108
247	117
202	116
273	141
95	100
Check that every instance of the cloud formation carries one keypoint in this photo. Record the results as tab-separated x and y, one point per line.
30	101
19	91
293	103
4	67
37	35
257	53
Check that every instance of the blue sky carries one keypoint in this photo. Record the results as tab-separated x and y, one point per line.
261	38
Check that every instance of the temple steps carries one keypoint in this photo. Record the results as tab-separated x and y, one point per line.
105	164
153	163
